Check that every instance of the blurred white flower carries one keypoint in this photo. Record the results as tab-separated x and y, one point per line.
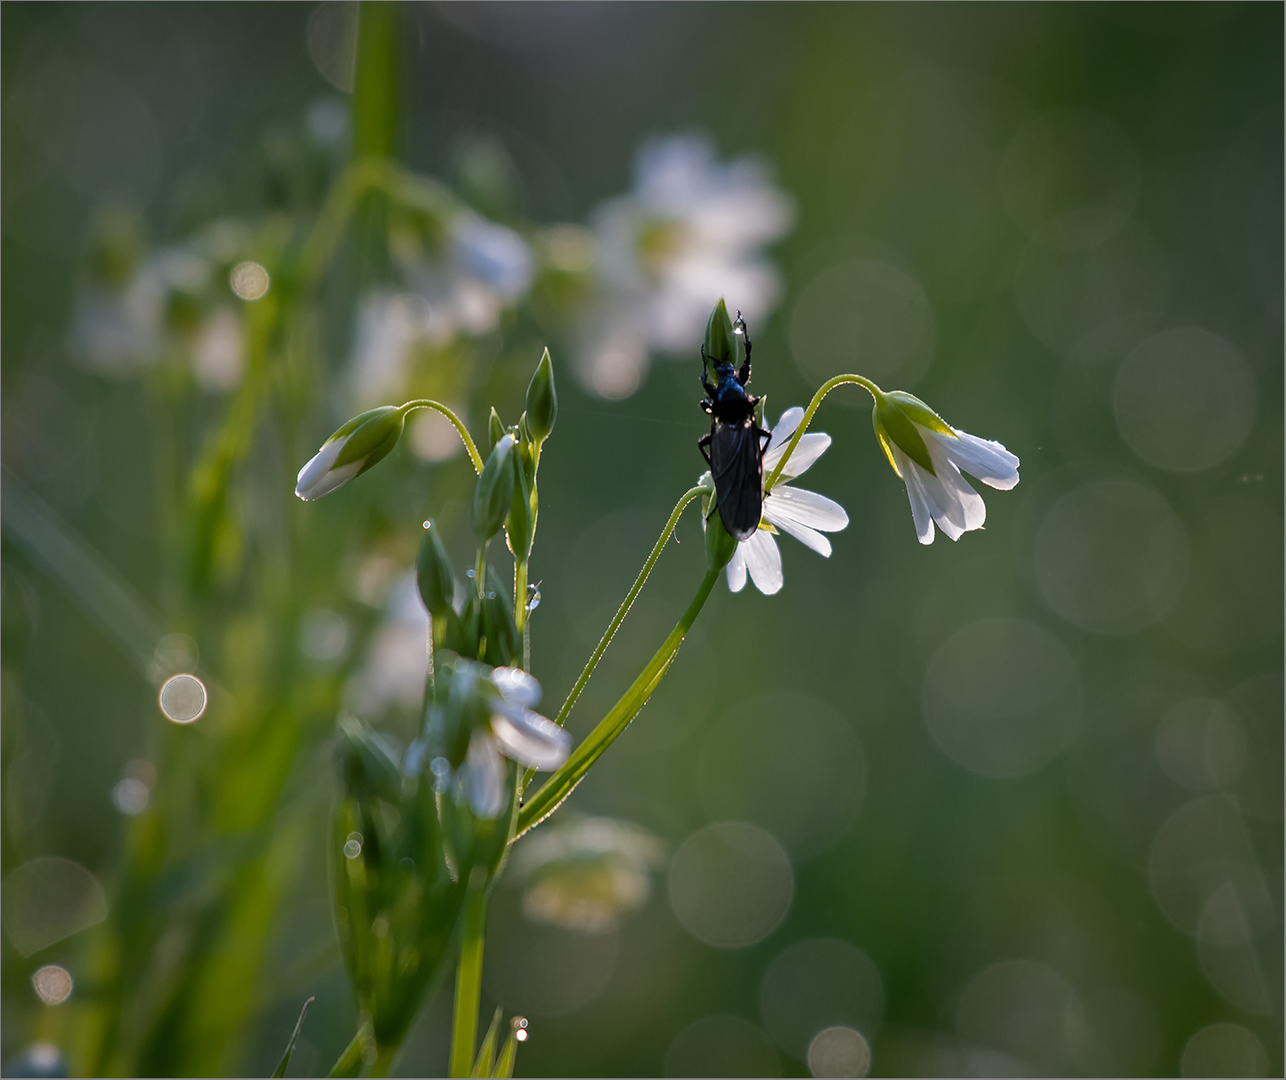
586	875
516	732
929	454
688	233
397	661
800	513
461	289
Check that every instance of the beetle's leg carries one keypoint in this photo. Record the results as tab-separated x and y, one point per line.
743	375
702	443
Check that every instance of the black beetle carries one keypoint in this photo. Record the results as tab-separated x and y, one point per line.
736	442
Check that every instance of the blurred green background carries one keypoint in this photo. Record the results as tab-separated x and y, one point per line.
1016	801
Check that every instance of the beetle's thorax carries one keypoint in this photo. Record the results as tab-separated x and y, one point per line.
730	402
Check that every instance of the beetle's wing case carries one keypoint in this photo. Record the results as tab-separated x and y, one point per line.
737	466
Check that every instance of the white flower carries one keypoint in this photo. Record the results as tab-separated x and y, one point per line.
800	513
516	732
929	455
688	233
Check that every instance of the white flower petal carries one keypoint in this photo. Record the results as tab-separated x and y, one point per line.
763	561
531	740
807	451
989	461
784	429
962	506
806	507
485	776
516	685
921	514
319	477
737	571
808	537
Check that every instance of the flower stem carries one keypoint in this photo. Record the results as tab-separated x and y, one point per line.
825	389
520	610
564	781
619	617
468	980
456	422
626	604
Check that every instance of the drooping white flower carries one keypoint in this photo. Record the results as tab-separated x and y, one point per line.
690	232
930	455
805	515
514	731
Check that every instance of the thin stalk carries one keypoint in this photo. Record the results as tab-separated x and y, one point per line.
468	981
626	604
456	422
619	617
825	389
351	1060
563	782
520	610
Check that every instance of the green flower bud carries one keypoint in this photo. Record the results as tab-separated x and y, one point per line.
433	573
720	546
356	445
495	428
542	400
895	417
368	764
494	492
520	524
720	342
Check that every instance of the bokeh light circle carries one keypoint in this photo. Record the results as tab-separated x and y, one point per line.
1201	743
1223	1050
1184	399
1070	179
249	280
788	763
863	316
183	698
52	983
721	1046
1111	557
839	1051
1204	874
1025	1009
819	983
731	884
1002	697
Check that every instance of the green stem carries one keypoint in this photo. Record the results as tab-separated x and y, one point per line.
626	604
619	617
457	423
468	981
825	389
520	610
563	782
351	1060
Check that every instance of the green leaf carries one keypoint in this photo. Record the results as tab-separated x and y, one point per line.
487	1052
290	1046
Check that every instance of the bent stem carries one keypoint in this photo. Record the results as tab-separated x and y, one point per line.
563	782
619	617
468	980
825	389
457	423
